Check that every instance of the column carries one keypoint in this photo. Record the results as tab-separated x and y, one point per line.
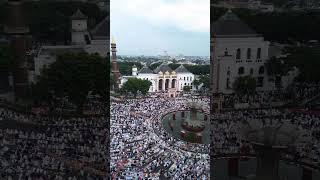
306	174
233	167
163	84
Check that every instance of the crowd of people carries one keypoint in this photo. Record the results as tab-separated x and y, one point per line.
141	149
297	92
44	147
225	138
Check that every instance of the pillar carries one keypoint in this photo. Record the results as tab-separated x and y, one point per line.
306	174
233	167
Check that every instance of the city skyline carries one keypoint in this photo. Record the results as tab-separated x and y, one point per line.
177	27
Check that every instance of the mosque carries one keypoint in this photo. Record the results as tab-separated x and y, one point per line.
163	78
237	50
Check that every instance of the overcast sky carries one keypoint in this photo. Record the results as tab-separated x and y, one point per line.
150	27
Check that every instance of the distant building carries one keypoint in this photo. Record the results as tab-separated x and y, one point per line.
163	78
237	50
95	40
246	4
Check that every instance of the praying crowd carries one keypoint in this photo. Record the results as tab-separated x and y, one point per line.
226	140
42	147
141	149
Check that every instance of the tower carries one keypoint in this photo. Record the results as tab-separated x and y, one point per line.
79	29
134	70
115	69
20	42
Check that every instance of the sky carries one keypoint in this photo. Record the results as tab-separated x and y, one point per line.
151	27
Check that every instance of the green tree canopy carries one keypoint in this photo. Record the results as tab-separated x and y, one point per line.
134	85
244	85
186	88
74	76
306	59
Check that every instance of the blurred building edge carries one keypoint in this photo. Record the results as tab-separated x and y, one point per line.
17	32
95	40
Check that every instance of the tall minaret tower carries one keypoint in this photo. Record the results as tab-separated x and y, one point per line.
115	69
18	32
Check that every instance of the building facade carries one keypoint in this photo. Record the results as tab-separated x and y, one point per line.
236	50
163	78
91	41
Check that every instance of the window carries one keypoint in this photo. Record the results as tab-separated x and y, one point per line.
226	52
251	71
259	53
249	53
238	55
241	70
187	78
185	84
261	70
190	78
228	73
184	78
228	82
260	82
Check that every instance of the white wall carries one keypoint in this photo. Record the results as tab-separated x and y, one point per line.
230	63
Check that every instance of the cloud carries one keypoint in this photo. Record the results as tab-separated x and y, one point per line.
186	15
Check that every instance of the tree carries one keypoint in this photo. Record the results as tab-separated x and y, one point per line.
186	88
196	83
276	67
73	76
135	85
306	59
244	85
205	80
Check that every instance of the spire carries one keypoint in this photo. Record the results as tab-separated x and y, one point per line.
78	15
113	41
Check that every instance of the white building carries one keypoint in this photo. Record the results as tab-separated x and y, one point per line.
237	50
163	78
95	40
258	5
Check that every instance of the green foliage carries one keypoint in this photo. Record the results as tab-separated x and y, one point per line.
134	85
186	88
155	65
74	76
277	67
198	69
205	79
125	68
244	85
174	65
306	59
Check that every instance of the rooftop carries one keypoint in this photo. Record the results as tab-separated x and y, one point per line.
230	24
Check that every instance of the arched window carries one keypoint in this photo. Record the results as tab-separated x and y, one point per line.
238	55
228	83
251	71
259	53
249	53
261	70
241	70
